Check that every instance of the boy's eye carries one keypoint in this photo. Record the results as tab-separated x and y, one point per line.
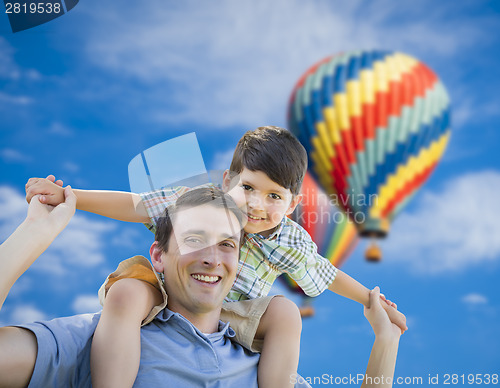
274	196
246	187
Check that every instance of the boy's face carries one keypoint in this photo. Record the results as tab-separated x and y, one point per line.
264	201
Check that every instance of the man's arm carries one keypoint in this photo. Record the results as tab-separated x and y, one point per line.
382	362
119	205
18	351
42	224
18	347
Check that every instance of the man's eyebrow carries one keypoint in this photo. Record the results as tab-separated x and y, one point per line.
227	236
193	231
224	236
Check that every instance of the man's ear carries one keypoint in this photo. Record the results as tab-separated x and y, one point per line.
226	181
295	201
156	257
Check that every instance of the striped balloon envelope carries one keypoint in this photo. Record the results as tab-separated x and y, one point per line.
332	231
375	124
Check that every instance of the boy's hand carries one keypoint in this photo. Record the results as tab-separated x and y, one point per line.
49	190
394	315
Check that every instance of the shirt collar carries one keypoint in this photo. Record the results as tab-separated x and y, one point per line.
277	231
223	330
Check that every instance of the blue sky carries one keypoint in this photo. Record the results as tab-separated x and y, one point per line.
82	95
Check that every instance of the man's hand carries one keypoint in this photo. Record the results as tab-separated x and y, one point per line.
379	319
50	191
56	217
394	315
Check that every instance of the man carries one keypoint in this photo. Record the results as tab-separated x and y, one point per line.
186	345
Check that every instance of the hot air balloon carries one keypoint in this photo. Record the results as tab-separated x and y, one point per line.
375	125
28	14
332	231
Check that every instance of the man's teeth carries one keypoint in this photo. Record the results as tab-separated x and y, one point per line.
206	279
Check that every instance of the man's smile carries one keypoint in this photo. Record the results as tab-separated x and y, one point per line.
210	279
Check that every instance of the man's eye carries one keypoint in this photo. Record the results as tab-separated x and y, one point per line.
274	196
228	244
193	241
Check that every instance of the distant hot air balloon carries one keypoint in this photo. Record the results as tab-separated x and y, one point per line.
375	124
331	230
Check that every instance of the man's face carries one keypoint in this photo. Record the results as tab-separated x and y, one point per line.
202	258
264	201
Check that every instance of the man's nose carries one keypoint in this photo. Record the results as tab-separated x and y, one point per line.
210	257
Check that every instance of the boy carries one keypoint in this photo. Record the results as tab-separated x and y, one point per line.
264	179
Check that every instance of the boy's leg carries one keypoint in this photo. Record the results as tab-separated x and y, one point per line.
280	329
116	346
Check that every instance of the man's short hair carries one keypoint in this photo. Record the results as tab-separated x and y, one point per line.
274	151
196	197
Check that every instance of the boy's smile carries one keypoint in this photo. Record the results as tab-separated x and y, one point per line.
264	201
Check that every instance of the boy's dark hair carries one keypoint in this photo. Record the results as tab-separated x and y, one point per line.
274	151
196	197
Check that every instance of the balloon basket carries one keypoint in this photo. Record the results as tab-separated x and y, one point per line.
306	311
373	253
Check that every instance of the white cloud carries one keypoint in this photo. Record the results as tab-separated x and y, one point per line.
80	245
222	160
451	229
127	237
10	155
474	299
8	69
463	111
86	304
22	286
6	98
13	209
33	75
471	107
207	64
71	167
26	314
57	128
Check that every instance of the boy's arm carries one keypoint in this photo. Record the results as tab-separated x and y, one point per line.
345	285
119	205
